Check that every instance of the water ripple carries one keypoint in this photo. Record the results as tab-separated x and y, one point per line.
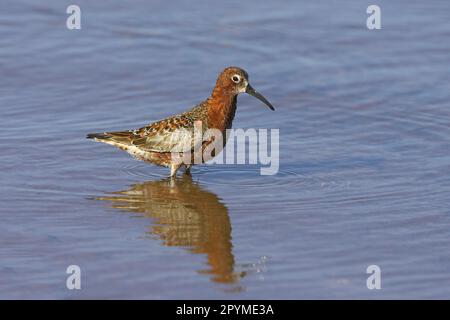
244	176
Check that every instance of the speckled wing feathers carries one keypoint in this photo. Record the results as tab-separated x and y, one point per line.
173	134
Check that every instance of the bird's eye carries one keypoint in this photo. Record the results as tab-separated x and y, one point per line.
236	78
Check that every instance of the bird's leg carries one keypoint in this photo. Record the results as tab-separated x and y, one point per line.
173	169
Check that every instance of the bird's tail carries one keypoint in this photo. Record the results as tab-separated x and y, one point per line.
98	136
120	139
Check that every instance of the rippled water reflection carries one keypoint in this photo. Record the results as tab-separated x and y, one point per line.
364	121
184	215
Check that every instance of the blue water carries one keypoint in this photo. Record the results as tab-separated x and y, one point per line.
364	119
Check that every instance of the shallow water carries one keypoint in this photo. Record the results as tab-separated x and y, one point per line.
364	119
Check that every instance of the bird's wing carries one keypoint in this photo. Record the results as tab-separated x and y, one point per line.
174	134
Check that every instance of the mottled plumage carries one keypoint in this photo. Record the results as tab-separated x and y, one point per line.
157	142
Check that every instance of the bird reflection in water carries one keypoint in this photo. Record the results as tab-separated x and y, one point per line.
185	215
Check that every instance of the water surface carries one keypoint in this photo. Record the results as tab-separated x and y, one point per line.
364	119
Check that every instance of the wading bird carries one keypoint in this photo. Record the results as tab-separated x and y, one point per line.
159	142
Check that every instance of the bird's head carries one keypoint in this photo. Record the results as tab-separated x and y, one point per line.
233	81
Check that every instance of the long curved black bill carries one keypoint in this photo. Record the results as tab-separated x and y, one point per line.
258	95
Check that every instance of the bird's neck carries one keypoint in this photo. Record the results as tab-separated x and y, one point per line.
221	110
